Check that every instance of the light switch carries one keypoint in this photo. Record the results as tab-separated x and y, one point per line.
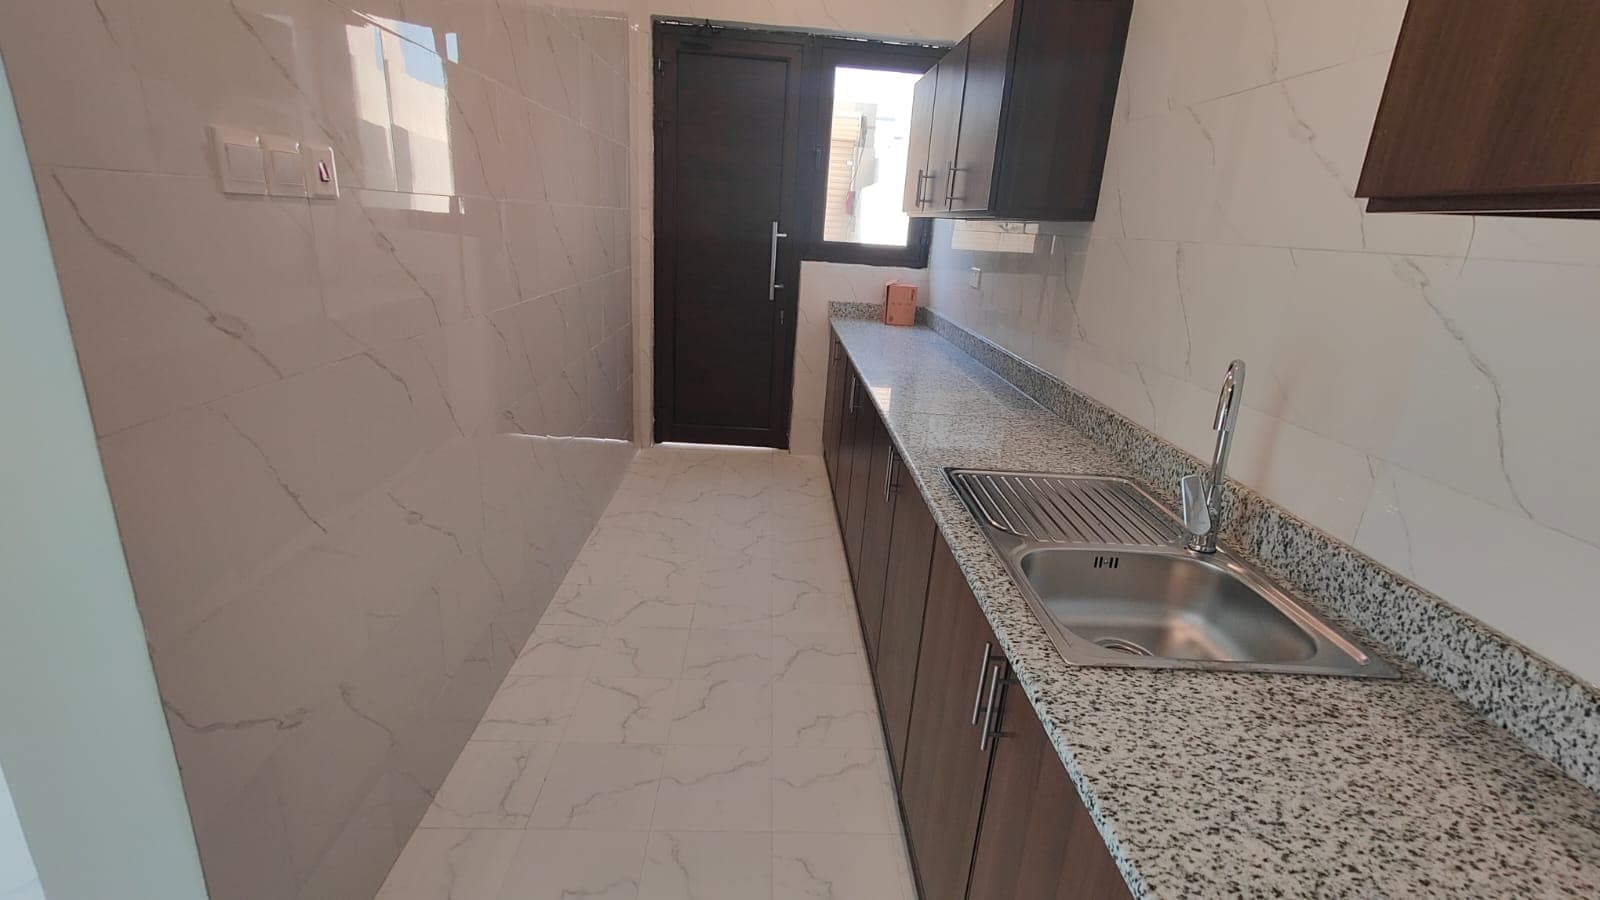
322	179
974	277
241	164
286	169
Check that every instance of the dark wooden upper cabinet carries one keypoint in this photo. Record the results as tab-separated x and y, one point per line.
917	144
1036	839
1038	83
1490	106
950	79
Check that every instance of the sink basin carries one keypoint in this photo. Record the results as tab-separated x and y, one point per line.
1100	563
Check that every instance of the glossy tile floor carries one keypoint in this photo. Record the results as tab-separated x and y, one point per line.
692	718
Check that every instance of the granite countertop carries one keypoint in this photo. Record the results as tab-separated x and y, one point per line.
1209	784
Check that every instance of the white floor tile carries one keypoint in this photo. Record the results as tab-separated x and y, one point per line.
839	867
530	708
707	865
825	715
564	865
452	864
623	711
727	713
559	650
600	787
830	791
819	657
715	789
492	785
638	652
720	654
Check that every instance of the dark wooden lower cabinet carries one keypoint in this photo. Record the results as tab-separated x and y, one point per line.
941	791
1036	839
905	596
876	536
989	811
833	406
864	436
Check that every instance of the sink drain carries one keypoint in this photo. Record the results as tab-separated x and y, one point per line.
1123	646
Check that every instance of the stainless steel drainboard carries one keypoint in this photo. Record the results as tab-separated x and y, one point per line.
1066	509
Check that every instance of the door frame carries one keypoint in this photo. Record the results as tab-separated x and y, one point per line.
668	40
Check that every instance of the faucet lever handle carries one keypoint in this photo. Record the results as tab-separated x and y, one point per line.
1196	507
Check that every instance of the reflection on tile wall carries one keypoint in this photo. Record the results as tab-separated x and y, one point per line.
353	445
1419	386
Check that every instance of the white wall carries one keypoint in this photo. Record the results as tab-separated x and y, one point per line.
1420	386
933	20
84	747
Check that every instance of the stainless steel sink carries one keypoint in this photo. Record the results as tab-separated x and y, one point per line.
1103	567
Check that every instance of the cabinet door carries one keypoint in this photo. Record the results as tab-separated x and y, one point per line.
1489	106
876	534
942	789
915	199
864	436
905	596
987	68
833	406
949	84
1037	839
845	455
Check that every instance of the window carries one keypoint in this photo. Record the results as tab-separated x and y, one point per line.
860	143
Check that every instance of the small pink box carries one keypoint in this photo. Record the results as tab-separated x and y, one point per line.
899	304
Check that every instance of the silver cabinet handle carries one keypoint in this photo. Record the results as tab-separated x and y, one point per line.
772	269
983	667
852	389
950	189
989	709
922	175
889	486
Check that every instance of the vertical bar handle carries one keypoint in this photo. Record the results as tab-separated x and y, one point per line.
989	709
889	485
852	389
772	269
983	669
950	189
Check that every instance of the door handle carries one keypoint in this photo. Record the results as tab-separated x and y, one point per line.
772	269
950	189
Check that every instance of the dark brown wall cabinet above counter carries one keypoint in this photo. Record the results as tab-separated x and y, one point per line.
989	811
1490	106
1013	122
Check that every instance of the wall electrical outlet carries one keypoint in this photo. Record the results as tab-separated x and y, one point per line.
974	277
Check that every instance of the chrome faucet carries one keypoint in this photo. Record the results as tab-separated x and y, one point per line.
1202	494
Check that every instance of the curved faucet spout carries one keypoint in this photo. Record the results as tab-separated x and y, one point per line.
1202	524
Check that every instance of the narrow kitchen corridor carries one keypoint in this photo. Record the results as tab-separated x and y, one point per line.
692	717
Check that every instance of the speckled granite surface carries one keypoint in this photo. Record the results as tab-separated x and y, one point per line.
1208	784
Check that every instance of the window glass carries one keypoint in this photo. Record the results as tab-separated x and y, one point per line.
867	148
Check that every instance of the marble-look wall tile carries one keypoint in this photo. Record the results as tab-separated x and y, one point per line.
353	445
1417	383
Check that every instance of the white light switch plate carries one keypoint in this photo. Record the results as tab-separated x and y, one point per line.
241	163
974	277
286	170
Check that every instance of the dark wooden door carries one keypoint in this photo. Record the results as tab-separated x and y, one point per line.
905	596
1036	839
833	405
844	444
988	66
864	436
916	198
945	128
727	118
876	534
942	788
